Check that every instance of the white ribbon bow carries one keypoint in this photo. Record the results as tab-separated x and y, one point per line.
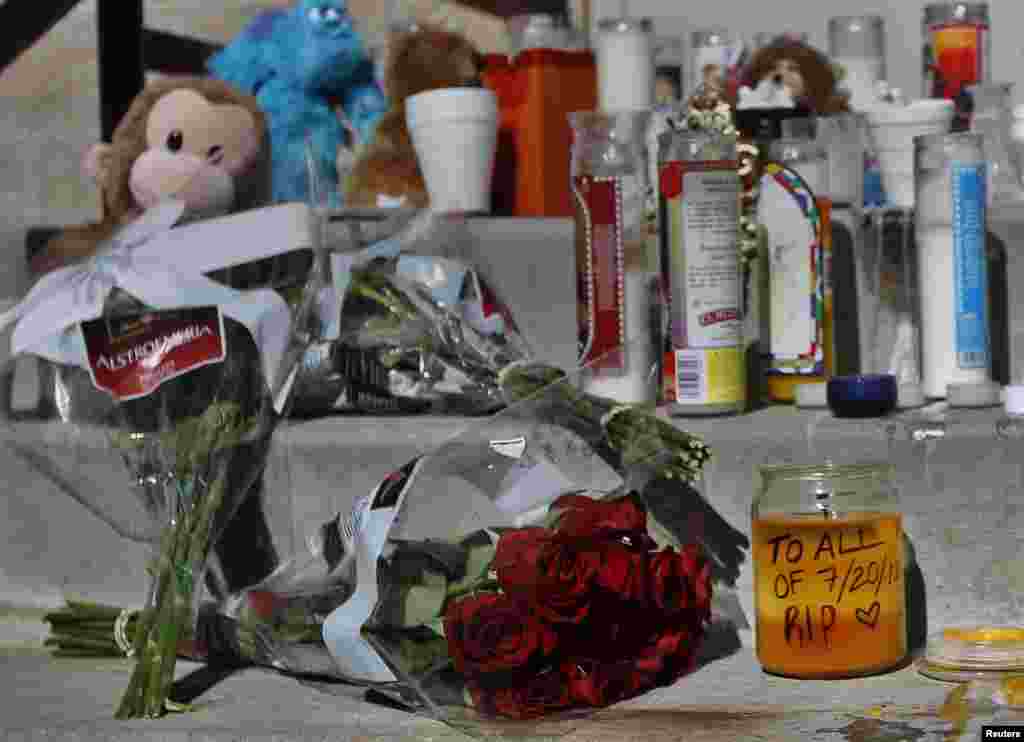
163	268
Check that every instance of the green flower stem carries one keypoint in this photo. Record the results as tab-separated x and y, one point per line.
141	686
484	586
81	632
95	637
99	645
185	544
184	553
384	298
642	437
76	610
634	432
71	653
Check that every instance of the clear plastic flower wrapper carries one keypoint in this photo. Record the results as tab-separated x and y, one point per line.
174	383
421	325
565	517
553	558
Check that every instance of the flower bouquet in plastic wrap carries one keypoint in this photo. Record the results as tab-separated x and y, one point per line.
548	560
168	388
419	325
551	559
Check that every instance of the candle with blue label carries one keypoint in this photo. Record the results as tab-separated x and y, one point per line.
950	177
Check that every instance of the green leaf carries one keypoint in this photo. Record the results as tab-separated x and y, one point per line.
174	707
437	626
662	536
479	557
421	653
423	602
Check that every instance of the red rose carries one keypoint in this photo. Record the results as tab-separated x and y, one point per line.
635	665
622	571
604	683
585	517
551	574
532	696
517	556
492	633
670	653
681	581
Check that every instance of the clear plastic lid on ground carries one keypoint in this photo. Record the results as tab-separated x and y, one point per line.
974	653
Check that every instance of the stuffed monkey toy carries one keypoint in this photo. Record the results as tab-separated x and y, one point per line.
386	172
193	138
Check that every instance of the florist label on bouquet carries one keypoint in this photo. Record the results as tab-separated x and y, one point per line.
131	356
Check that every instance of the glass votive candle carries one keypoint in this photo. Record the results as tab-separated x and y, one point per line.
857	44
625	64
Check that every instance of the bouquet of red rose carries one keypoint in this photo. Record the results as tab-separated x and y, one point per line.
550	559
584	613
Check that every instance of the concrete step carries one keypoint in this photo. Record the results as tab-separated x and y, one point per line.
65	700
960	497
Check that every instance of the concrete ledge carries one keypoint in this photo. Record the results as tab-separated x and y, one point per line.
960	495
732	698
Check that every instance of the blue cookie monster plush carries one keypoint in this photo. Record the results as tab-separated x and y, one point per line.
299	63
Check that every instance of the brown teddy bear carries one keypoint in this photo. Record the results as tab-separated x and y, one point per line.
386	172
806	73
194	138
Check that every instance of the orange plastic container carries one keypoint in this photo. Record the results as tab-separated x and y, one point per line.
537	90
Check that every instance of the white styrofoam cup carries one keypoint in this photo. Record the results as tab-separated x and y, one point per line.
455	133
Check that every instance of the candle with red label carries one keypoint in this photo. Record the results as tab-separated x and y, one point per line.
617	291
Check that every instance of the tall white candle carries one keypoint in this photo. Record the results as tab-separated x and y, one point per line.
952	264
625	64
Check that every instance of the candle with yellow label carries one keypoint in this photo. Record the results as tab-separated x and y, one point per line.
829	593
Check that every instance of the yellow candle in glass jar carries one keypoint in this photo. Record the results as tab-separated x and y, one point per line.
829	593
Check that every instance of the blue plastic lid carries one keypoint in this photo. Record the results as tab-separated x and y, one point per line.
862	395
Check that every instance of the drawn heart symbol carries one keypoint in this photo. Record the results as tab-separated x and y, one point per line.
869	617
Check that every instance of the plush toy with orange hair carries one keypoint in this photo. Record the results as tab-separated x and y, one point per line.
386	172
